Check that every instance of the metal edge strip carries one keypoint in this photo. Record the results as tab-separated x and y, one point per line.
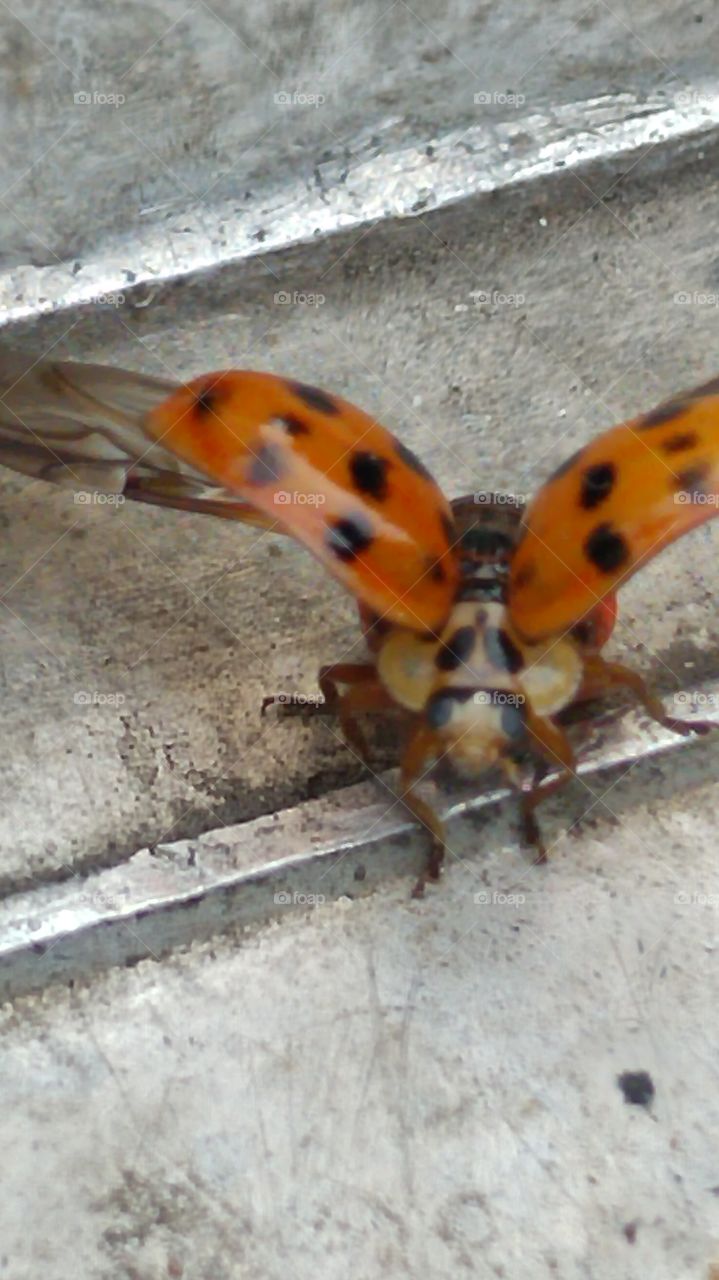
347	843
412	179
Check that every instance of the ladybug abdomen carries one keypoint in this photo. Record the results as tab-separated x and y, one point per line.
476	683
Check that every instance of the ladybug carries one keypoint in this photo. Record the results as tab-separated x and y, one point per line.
484	621
248	446
535	605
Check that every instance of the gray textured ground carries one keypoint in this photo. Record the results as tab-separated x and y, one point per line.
389	1087
192	623
382	1087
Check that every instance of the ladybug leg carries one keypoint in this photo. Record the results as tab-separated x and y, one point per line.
365	694
600	675
292	707
554	747
418	753
329	680
350	673
361	700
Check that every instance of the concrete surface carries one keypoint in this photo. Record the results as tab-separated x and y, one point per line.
353	839
397	1088
264	93
379	1087
192	623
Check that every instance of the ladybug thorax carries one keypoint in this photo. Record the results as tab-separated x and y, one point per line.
475	681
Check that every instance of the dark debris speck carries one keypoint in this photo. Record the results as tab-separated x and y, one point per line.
637	1087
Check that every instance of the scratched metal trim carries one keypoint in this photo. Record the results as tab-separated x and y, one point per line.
347	843
413	177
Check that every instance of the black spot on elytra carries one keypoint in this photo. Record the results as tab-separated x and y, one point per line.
512	719
501	651
681	441
293	425
347	538
637	1087
692	480
566	466
606	549
266	466
583	632
369	474
525	576
597	484
440	705
314	398
663	413
410	459
435	570
456	650
207	400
